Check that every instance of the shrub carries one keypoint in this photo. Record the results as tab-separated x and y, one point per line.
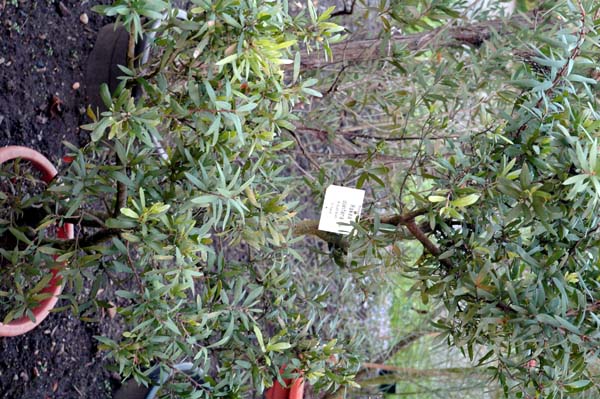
180	200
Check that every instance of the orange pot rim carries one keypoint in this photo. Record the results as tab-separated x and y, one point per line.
40	312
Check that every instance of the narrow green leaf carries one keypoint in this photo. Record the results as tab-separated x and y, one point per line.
259	337
130	213
227	60
194	92
279	346
465	201
172	326
226	336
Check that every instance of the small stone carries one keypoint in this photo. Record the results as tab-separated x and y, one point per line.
76	86
62	9
42	120
39	66
115	376
24	376
84	18
2	59
112	311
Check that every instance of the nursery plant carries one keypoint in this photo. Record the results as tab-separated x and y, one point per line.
477	136
179	204
185	209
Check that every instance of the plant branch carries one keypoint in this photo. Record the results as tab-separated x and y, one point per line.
87	220
405	218
121	199
424	240
131	47
354	155
474	35
401	344
310	226
311	160
94	239
349	134
407	372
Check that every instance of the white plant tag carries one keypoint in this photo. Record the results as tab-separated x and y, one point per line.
342	206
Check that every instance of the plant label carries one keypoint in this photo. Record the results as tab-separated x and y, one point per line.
341	207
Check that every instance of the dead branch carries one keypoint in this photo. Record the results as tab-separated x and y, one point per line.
450	35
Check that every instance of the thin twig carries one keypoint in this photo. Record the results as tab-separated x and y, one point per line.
354	155
304	152
338	75
369	50
94	239
86	220
347	133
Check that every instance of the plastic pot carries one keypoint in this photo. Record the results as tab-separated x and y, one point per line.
133	390
110	51
24	324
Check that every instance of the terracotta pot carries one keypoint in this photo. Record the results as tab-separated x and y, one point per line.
294	390
24	324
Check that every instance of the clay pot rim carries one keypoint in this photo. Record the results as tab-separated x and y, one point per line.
24	324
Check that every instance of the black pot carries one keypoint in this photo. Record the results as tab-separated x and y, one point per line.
132	390
110	50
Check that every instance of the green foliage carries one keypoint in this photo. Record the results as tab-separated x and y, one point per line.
489	146
496	142
522	272
197	241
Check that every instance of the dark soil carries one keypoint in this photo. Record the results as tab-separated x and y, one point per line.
58	360
43	49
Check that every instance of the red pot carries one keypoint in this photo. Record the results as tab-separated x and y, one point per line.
294	390
24	324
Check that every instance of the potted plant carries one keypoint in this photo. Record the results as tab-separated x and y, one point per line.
50	287
192	245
